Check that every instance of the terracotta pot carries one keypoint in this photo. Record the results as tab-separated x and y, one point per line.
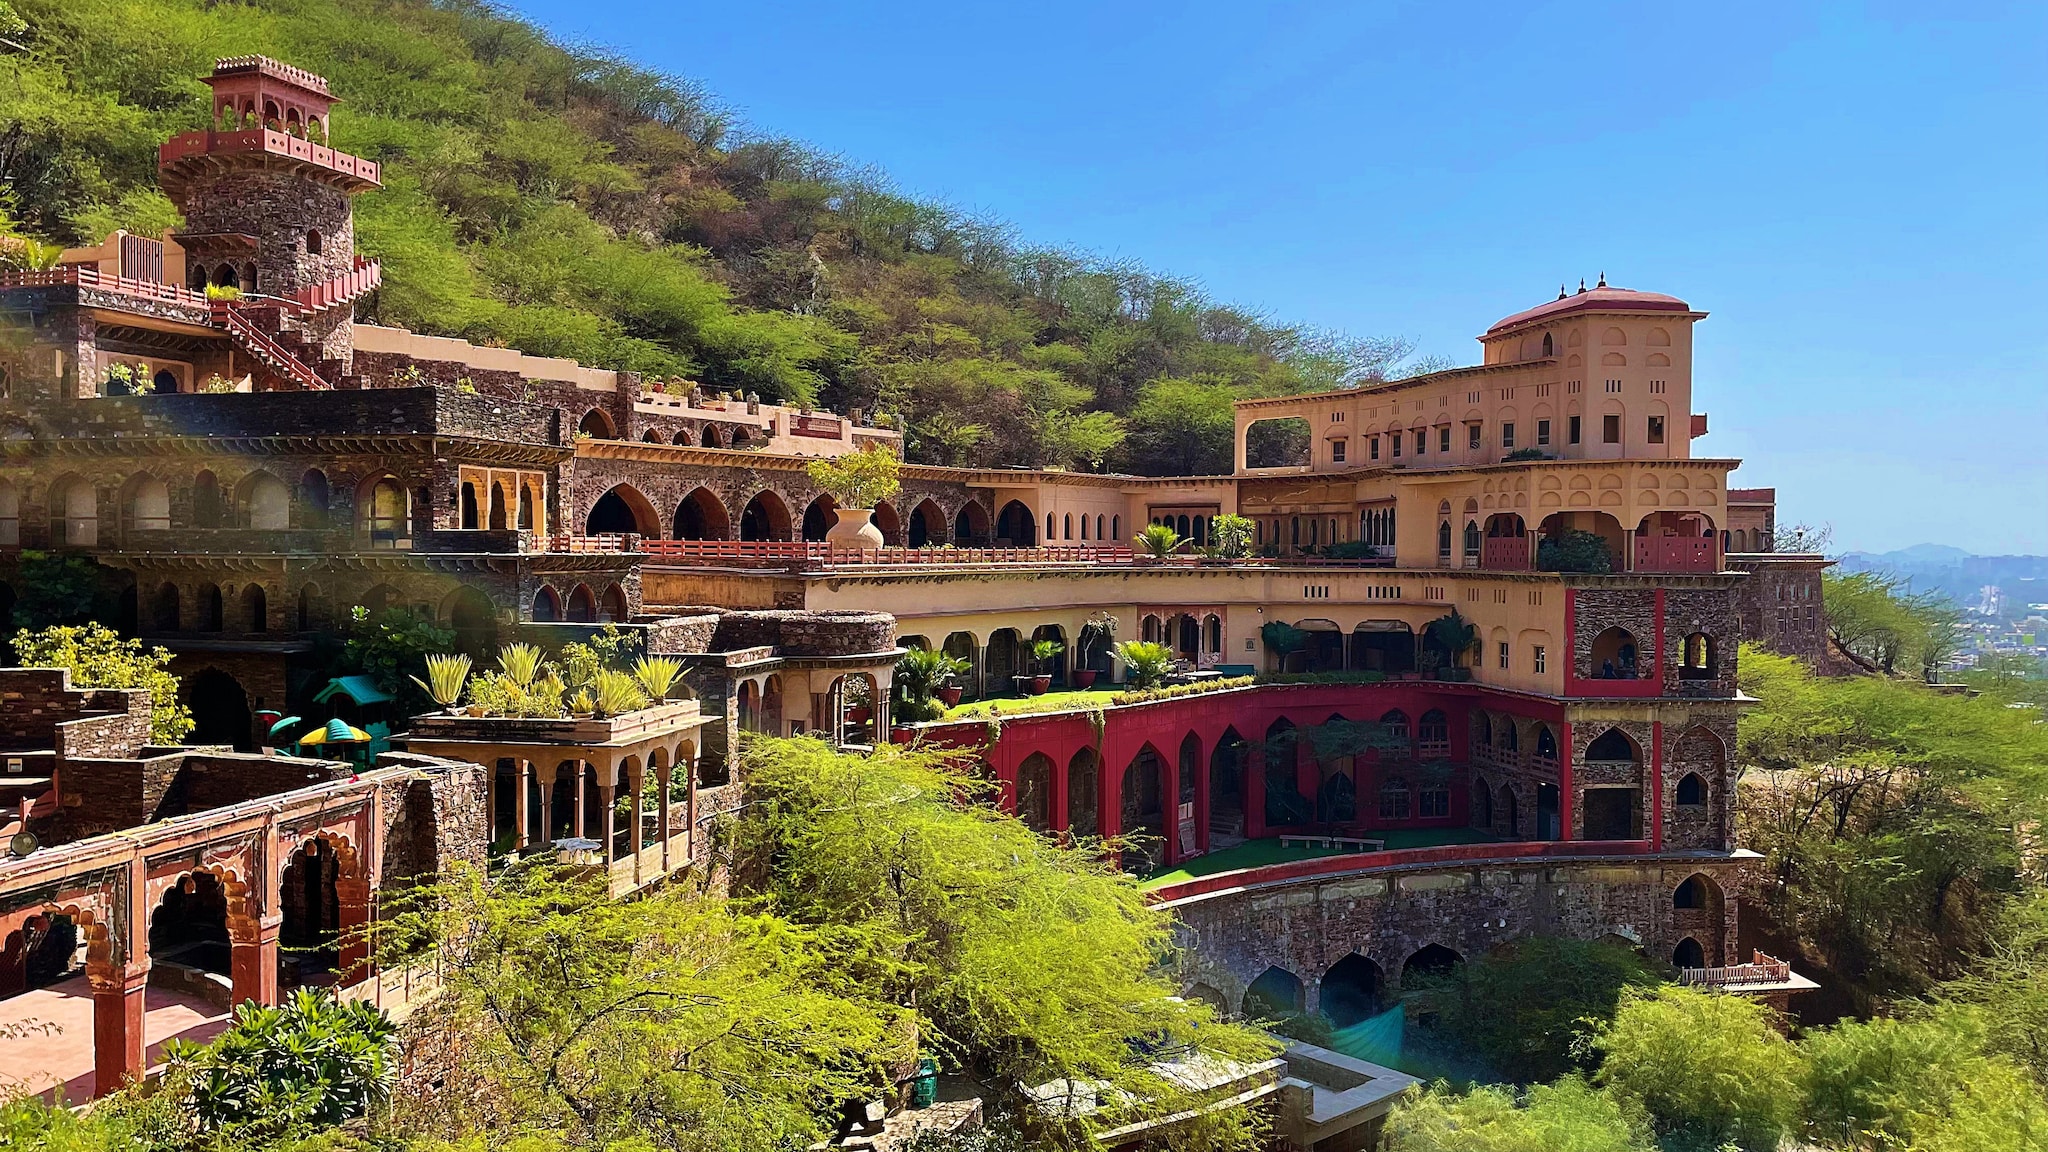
902	734
857	715
1040	685
950	695
1084	678
853	528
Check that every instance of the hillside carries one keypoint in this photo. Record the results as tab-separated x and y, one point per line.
572	204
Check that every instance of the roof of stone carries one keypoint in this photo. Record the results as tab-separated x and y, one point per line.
1601	299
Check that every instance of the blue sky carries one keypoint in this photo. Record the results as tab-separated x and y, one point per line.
1857	193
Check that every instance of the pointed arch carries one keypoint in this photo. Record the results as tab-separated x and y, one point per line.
623	509
701	516
765	517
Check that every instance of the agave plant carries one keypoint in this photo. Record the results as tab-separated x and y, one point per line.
656	675
615	692
520	663
446	675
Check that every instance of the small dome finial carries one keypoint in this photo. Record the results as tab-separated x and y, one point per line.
1603	279
1560	290
1582	285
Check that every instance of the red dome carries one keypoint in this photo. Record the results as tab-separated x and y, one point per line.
1601	299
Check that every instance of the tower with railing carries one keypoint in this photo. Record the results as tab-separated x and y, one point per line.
267	206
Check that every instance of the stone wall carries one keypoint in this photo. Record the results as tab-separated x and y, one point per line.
807	633
280	208
1779	605
1708	612
1305	927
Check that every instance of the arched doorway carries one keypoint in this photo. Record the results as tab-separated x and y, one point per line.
1016	527
818	517
970	527
1226	791
1082	815
889	524
220	710
620	510
1004	660
1275	994
308	941
927	525
766	518
1352	991
1034	792
701	516
1143	810
474	620
582	605
597	424
1689	954
190	925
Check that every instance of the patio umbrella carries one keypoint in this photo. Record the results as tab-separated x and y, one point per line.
283	726
336	732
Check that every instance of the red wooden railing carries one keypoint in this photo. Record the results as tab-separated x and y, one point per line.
1677	554
603	542
271	143
87	276
818	553
259	344
340	290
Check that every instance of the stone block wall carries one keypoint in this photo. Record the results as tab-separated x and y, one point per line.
1710	612
808	633
1780	606
1632	609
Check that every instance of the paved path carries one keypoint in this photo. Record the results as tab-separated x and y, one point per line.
53	1047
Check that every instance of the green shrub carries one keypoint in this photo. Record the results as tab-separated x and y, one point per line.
1574	550
1520	1008
313	1062
1708	1069
1145	663
98	658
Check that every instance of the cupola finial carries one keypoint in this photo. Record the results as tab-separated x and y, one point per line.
1603	279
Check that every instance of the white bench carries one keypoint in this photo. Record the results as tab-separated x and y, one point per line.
1354	843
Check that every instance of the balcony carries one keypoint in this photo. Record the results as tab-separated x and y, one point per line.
1674	554
180	153
1507	553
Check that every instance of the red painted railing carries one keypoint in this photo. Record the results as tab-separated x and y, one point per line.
1677	554
824	427
603	542
818	553
340	290
270	143
1761	969
1325	866
1506	553
259	344
87	276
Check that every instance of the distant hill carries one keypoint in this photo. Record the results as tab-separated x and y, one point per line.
571	203
1956	572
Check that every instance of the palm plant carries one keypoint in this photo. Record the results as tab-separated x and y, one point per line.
1043	651
1157	541
657	674
446	674
1145	663
919	676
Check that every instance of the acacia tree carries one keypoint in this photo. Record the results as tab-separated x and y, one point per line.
98	657
1024	959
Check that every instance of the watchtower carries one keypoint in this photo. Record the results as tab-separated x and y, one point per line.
267	202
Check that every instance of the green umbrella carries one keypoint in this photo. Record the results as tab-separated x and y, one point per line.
336	732
282	725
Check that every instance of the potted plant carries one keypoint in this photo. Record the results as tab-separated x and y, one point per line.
1446	641
921	687
858	706
1145	663
1098	631
950	693
446	676
1044	652
857	482
1157	542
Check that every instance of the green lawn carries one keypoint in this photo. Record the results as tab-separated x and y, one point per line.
1257	853
1077	700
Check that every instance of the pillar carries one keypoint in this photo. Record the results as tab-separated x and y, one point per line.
661	831
1169	787
117	1036
1567	755
608	820
580	805
353	893
523	803
546	788
252	956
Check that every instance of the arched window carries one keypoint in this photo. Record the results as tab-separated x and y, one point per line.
1472	541
313	242
547	606
1548	349
1084	527
1692	791
1394	798
1434	801
206	505
1699	658
313	498
1395	725
1443	542
1691	894
1116	528
1049	533
386	513
1067	526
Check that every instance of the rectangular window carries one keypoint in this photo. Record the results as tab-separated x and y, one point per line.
1574	431
1656	429
1472	436
1503	655
1443	438
1543	433
1421	441
1610	428
1396	438
1372	445
1507	435
1337	451
1539	659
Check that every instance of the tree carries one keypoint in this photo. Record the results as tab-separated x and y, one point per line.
97	657
55	588
1521	1008
676	1019
1145	663
860	479
1183	427
1707	1068
1067	439
1027	958
1569	1116
390	648
1574	550
2006	990
1887	1083
1233	535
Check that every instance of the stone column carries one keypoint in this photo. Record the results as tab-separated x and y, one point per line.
608	820
580	806
522	775
547	800
661	830
117	1035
